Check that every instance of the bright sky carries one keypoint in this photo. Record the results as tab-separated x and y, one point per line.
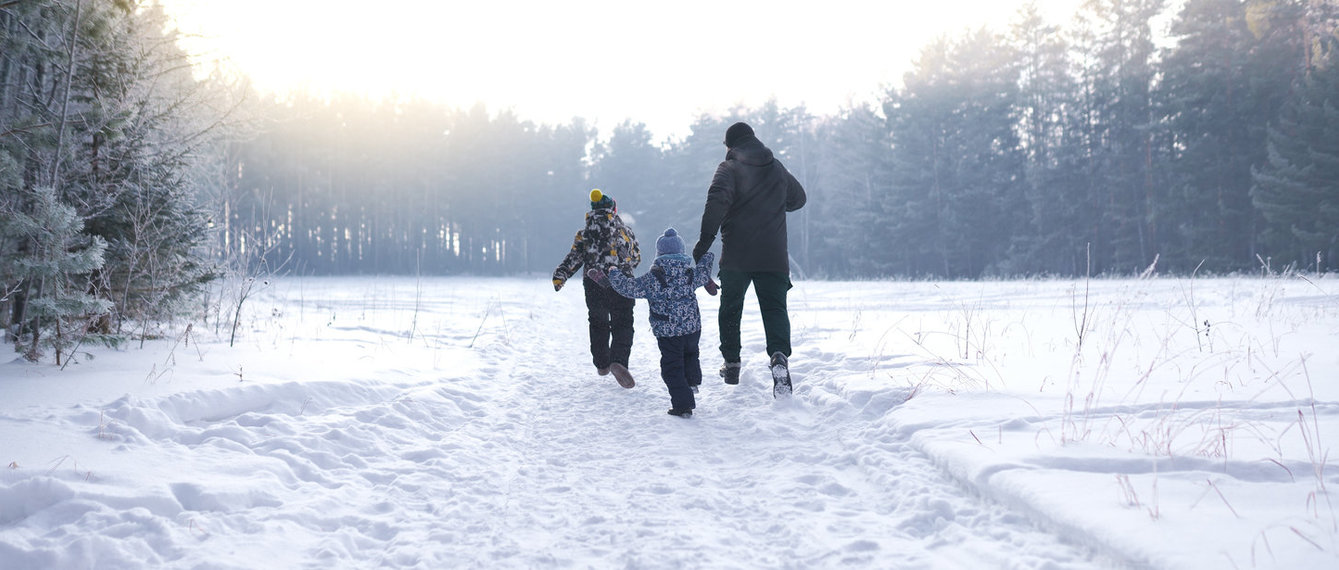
604	60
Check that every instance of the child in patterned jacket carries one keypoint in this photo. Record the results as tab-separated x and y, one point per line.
669	289
604	241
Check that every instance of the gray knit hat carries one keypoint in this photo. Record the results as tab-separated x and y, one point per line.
669	243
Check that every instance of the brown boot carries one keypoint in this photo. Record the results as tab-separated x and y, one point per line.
622	375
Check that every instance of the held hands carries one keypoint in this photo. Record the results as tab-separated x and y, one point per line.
599	277
699	251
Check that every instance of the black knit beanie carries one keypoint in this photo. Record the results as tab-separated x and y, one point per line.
737	133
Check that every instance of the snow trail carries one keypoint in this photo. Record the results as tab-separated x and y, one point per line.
741	483
509	454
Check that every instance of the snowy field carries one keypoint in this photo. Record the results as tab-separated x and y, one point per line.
458	423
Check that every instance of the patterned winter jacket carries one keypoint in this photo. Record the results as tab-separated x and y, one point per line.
669	289
605	241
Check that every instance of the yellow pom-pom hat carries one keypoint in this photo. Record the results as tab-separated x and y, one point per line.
601	201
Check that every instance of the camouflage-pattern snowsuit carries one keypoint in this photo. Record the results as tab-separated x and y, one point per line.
669	289
604	242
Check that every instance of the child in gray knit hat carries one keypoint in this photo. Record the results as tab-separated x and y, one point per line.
676	321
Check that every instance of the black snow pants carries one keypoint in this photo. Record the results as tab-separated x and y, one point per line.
610	316
680	368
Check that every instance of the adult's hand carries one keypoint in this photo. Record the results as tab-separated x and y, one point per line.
699	250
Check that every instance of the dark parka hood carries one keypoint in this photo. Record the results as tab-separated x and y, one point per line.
750	151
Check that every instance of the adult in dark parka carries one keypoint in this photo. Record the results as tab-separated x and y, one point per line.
747	203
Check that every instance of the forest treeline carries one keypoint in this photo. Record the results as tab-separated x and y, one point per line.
1130	139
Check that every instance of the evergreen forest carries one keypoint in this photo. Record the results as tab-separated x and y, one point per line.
139	192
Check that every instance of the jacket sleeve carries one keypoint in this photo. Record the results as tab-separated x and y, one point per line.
702	273
630	287
795	196
719	197
571	263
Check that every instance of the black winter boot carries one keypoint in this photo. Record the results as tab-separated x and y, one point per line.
730	372
780	375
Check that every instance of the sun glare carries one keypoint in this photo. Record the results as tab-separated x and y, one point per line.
602	60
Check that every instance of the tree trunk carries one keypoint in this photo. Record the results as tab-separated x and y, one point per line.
17	308
65	103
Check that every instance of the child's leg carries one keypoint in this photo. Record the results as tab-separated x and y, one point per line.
620	326
692	365
597	312
672	372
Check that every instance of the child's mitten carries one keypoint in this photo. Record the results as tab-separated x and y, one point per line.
598	277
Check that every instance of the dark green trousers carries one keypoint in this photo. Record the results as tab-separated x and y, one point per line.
770	288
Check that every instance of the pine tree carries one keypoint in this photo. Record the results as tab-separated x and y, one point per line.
957	183
145	128
108	117
1298	189
1222	84
1116	42
59	266
559	189
11	185
847	199
630	168
1054	241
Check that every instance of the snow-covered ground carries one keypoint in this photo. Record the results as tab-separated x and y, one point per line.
458	423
